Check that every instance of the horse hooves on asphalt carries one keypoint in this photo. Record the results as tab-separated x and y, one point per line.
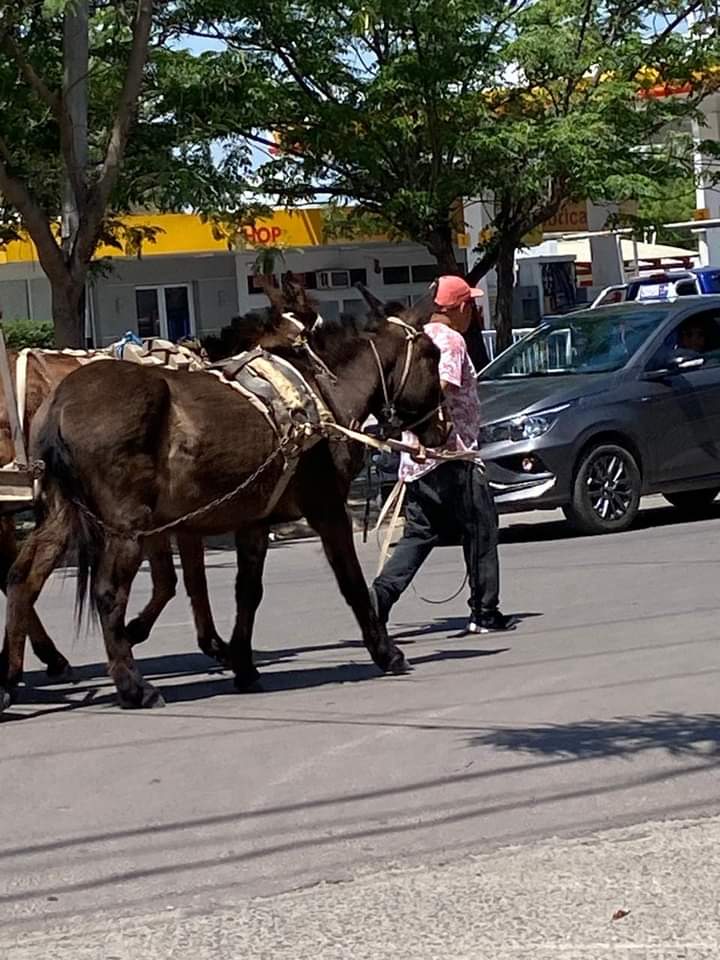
249	684
5	700
217	650
152	699
399	665
61	672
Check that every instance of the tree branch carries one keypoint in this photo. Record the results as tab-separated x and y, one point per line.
33	217
53	101
99	195
31	77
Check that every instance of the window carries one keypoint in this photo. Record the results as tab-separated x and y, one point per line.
425	272
329	309
698	334
255	282
354	308
164	311
393	275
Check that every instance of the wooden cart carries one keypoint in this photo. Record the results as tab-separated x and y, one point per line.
17	478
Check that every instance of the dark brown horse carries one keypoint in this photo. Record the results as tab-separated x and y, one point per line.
44	370
157	449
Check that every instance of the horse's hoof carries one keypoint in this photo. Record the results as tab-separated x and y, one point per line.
60	672
217	650
152	699
249	684
144	697
5	700
137	632
399	665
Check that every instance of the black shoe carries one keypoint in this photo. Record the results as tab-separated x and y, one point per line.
494	622
381	613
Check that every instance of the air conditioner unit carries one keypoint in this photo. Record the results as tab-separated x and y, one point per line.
333	279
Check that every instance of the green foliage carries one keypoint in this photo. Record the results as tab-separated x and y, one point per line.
669	202
170	163
403	109
28	333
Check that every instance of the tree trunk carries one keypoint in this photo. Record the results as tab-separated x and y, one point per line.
68	313
440	245
505	271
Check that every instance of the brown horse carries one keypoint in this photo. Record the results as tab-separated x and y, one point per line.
44	371
252	540
157	450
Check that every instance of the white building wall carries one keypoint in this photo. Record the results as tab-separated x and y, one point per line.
375	259
218	284
708	193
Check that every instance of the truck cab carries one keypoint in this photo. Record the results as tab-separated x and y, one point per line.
669	285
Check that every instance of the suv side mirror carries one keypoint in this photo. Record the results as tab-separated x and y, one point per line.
681	361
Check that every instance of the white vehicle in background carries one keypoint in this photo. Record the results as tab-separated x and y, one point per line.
662	287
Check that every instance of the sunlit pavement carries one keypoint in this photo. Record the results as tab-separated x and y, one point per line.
129	835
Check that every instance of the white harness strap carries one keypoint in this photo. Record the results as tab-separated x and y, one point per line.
395	502
21	370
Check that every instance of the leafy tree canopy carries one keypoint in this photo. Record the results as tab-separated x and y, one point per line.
403	109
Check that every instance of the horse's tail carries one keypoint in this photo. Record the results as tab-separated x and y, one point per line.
64	497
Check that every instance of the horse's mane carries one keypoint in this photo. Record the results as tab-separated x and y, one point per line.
336	337
242	333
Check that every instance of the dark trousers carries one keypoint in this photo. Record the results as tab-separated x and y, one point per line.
450	505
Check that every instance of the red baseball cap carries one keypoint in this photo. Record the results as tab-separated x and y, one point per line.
451	291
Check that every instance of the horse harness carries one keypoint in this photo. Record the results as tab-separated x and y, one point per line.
297	414
295	411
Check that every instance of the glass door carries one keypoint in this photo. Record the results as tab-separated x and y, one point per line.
164	311
147	312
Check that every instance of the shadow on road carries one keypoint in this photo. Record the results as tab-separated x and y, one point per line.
651	518
677	733
218	682
450	625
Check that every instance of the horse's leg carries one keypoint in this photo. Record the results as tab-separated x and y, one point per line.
117	565
45	650
164	584
34	564
251	544
325	511
192	558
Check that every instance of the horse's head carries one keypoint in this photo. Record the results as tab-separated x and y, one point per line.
269	330
410	393
296	301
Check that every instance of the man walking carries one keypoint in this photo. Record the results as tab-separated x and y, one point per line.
449	502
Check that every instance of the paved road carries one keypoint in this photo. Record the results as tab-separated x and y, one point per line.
126	830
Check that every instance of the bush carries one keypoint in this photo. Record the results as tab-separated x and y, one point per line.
28	333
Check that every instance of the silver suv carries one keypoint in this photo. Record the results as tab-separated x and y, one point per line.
596	408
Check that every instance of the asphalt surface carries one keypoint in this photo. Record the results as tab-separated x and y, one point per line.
436	811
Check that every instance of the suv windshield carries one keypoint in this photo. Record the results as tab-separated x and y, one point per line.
581	343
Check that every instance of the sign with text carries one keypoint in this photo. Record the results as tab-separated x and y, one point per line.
572	216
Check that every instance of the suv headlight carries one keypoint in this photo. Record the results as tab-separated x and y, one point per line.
521	428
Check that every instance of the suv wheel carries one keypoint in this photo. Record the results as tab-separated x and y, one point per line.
606	490
693	502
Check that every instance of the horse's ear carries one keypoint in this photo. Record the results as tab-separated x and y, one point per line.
274	295
420	312
294	292
377	307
